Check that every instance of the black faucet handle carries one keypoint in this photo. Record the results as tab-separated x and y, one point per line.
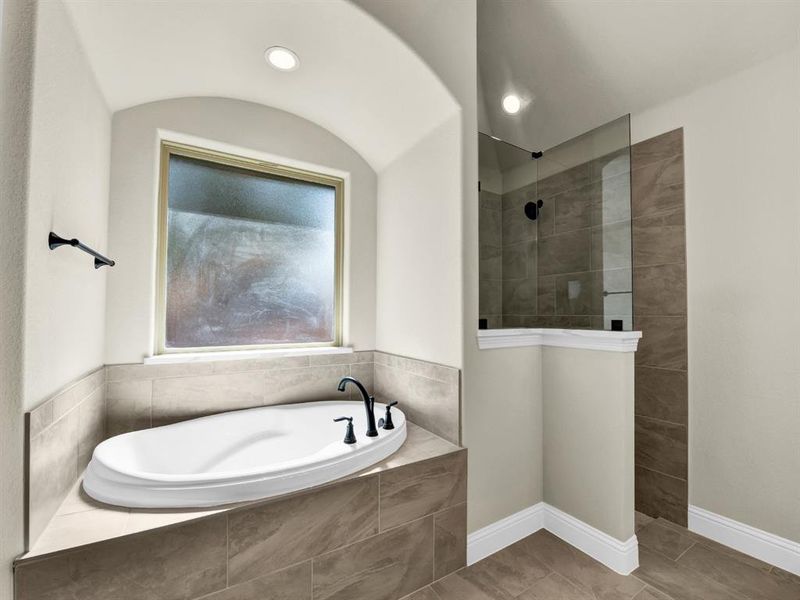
386	422
350	436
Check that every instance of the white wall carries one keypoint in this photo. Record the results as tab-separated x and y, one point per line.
16	68
505	458
68	194
741	148
237	127
588	437
419	250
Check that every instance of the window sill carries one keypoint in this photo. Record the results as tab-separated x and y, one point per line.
586	339
193	357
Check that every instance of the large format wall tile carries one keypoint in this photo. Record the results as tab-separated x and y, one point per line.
519	296
415	490
301	385
659	239
181	398
565	253
658	187
384	567
91	425
660	306
427	393
659	290
661	394
62	433
128	406
450	540
292	583
661	446
52	472
663	342
180	563
281	533
657	148
660	495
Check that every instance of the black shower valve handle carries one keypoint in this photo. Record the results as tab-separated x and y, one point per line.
350	436
386	422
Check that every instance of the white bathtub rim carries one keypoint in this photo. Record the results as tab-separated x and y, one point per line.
112	483
364	445
218	493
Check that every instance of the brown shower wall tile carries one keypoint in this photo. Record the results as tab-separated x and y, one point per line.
663	342
658	187
659	495
661	446
659	290
565	253
657	148
660	306
659	239
661	394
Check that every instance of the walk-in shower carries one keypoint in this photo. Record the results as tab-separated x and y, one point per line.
555	232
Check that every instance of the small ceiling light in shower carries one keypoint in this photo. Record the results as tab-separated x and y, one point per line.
281	58
511	104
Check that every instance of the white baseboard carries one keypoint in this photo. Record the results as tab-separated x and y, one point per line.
768	547
504	532
622	557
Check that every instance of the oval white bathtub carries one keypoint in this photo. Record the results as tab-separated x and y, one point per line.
236	456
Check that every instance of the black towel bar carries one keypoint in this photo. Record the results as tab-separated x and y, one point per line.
54	241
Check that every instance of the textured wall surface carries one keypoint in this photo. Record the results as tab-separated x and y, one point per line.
17	25
588	437
742	266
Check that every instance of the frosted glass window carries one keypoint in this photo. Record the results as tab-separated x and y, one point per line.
250	256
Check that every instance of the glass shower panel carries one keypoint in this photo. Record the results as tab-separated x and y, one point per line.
555	233
506	236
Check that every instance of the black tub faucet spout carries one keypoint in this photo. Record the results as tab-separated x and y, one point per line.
369	403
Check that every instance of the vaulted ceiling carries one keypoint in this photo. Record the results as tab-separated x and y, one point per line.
580	63
356	78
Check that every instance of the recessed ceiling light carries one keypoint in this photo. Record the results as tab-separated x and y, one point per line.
281	58
511	104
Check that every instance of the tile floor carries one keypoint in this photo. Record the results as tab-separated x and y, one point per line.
675	564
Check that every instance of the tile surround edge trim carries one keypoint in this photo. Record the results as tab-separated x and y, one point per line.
609	341
619	556
760	544
194	357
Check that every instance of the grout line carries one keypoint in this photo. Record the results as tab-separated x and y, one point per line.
693	544
660	473
661	368
660	420
635	414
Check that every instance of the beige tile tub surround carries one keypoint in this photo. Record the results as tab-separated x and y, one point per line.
142	395
659	307
380	534
428	393
62	433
